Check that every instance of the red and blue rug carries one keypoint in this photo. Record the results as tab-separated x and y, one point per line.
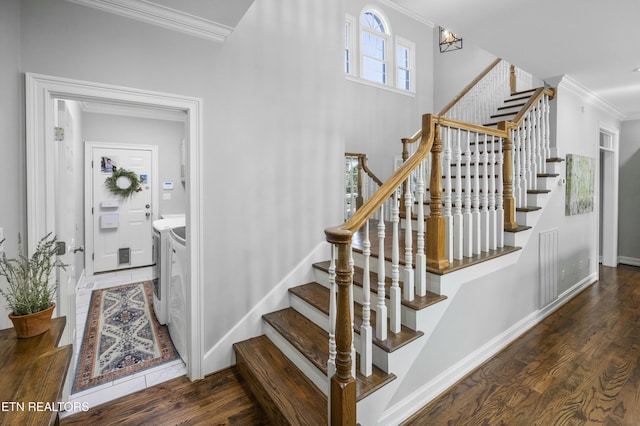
121	336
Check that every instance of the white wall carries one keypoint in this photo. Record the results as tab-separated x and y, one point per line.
12	151
629	199
166	135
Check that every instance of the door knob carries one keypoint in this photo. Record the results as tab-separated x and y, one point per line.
148	214
148	206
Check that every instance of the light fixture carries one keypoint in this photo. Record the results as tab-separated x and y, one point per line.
449	41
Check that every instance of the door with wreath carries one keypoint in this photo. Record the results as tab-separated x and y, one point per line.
121	207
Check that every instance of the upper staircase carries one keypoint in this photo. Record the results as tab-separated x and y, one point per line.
468	189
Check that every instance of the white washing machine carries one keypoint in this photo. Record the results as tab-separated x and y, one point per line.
162	255
178	291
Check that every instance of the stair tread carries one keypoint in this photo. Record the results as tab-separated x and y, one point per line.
520	228
418	303
317	296
555	160
522	92
288	390
548	175
520	105
528	209
313	343
538	191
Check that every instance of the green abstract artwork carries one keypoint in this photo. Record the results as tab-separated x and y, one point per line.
580	184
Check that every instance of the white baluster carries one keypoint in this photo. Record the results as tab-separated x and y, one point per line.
540	160
394	291
381	306
547	143
533	176
475	213
409	284
446	195
499	195
492	195
331	363
467	226
484	196
517	190
366	334
524	167
530	154
457	199
421	259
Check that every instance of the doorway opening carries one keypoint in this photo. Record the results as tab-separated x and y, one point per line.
41	95
608	196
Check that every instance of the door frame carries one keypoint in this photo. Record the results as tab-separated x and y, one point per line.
88	191
608	194
40	92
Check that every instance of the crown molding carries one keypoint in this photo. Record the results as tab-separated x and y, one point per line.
411	14
570	84
155	14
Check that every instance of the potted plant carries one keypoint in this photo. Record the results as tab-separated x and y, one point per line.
30	293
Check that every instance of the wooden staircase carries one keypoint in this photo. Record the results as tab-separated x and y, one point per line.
288	368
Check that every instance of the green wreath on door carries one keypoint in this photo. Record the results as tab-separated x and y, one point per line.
123	183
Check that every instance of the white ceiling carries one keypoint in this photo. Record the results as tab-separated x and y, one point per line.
596	42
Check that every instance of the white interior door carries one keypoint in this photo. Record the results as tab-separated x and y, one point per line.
122	226
67	217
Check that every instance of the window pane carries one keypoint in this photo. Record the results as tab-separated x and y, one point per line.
372	46
403	79
346	61
375	70
370	20
403	57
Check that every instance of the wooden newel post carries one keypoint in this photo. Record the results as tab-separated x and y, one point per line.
405	156
512	79
435	248
509	203
359	198
343	385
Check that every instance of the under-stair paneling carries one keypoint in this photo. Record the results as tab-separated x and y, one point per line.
548	266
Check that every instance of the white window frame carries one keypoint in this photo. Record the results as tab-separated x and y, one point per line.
411	48
350	35
355	30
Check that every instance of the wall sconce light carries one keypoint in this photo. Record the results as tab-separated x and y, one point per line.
449	41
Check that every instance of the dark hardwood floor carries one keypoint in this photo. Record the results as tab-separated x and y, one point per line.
580	366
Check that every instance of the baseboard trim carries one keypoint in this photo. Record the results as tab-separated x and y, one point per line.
629	260
444	381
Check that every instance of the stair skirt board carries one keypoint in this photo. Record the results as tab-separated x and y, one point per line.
316	376
439	384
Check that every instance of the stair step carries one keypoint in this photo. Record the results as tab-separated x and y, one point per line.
520	228
418	303
317	296
313	343
538	191
284	392
548	175
528	209
518	97
555	160
522	92
520	105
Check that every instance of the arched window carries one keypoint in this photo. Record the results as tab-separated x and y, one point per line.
375	36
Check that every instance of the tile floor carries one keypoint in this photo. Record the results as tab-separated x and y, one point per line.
126	385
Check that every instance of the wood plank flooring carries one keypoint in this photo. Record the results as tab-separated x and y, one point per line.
580	366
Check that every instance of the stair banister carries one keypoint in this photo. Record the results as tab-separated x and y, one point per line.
469	87
342	384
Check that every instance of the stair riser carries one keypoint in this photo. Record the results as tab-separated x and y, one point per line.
528	218
547	182
554	167
537	199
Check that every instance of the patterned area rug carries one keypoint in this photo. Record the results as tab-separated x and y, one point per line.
121	336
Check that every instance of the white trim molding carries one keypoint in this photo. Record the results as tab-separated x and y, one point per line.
625	260
162	16
570	84
411	14
41	93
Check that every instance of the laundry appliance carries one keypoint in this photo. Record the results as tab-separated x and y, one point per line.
177	314
162	256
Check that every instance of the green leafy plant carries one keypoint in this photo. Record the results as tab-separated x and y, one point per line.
29	290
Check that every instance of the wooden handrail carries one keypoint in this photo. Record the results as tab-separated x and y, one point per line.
469	87
362	159
540	91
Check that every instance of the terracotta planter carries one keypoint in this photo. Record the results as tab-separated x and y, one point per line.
33	324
